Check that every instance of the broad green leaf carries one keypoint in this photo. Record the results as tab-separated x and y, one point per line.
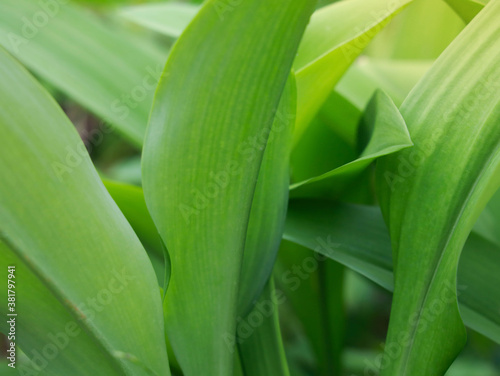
335	37
65	234
432	195
357	237
199	173
167	18
467	9
43	322
259	338
108	70
389	135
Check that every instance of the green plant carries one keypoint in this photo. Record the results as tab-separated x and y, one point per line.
274	159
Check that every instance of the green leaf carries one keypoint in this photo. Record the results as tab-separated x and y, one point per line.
83	264
313	285
259	338
168	18
488	221
130	200
320	150
335	37
389	135
208	129
357	237
108	70
432	194
467	9
270	201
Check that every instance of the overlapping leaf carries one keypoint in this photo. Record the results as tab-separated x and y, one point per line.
336	36
431	195
88	290
357	237
209	126
108	70
389	135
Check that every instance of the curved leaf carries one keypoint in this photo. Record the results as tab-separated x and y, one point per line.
389	135
108	70
432	195
335	37
64	230
357	237
215	105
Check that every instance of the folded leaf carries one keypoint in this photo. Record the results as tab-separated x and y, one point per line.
335	37
106	69
432	195
209	125
93	285
467	9
389	135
